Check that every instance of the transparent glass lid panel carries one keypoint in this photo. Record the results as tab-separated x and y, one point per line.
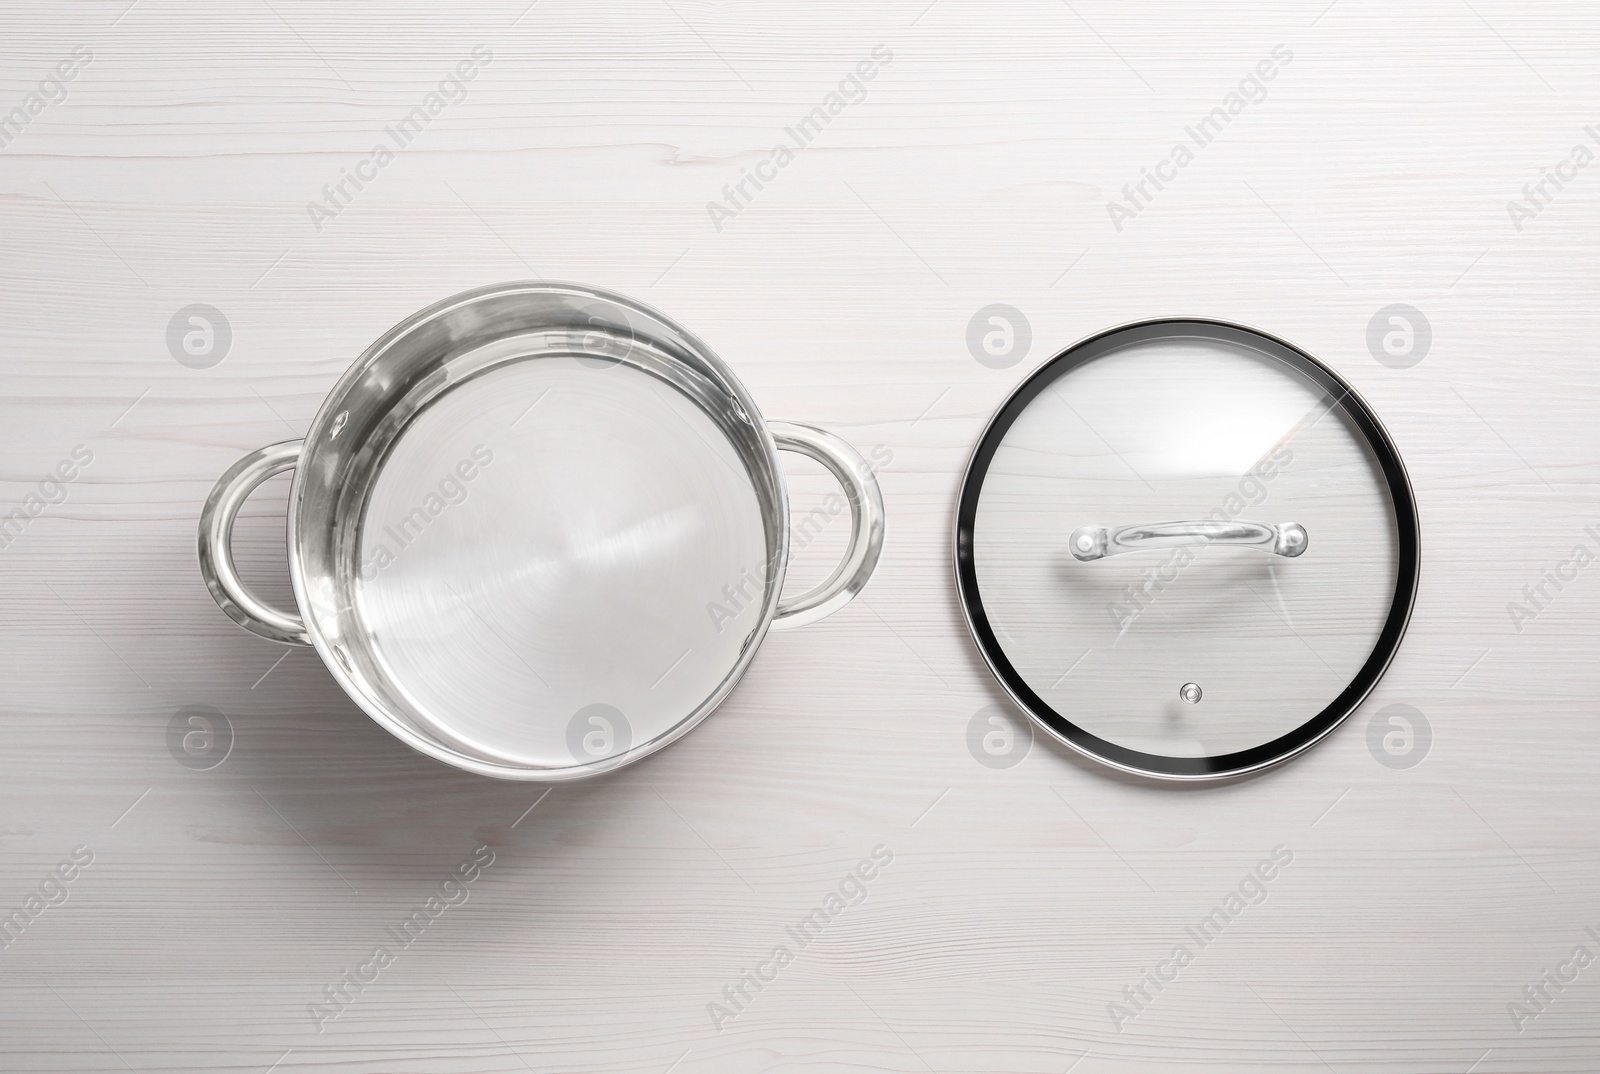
1191	431
560	559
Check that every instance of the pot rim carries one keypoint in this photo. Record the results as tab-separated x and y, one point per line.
323	426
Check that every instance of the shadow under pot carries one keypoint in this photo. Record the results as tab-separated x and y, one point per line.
538	531
1186	549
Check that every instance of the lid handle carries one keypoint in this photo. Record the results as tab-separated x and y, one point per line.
1090	543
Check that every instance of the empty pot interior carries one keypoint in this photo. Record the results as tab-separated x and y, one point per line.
538	531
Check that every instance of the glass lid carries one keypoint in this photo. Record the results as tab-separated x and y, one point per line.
1186	549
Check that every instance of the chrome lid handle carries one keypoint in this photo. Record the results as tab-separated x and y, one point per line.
1090	543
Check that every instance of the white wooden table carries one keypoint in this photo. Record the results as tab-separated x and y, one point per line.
975	167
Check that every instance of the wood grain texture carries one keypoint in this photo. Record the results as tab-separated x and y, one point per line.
1420	902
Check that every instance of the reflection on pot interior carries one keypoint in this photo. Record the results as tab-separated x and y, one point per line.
409	527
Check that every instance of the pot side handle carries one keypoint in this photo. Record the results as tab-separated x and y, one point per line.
866	523
216	545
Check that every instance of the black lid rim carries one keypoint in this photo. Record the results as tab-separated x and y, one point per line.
1160	766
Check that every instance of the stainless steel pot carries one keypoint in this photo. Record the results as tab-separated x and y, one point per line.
538	531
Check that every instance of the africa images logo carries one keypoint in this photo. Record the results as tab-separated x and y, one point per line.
1250	891
1252	88
850	891
50	490
451	90
52	891
409	527
1538	596
1251	491
851	90
453	891
52	89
